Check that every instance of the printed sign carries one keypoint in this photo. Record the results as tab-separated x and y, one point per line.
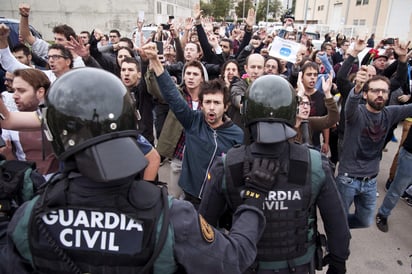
284	49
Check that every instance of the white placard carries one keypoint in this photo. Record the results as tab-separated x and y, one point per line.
284	49
141	16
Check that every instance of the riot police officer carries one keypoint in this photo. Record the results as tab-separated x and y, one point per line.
98	217
304	182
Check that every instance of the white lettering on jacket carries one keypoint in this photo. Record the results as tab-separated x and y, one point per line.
90	229
277	199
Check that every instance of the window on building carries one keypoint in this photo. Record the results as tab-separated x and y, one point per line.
170	10
159	7
362	22
355	22
362	2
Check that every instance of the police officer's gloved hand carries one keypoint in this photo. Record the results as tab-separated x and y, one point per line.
260	180
336	265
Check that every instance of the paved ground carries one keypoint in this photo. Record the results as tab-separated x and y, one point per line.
373	251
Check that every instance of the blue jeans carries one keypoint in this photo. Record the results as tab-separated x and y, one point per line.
401	181
363	193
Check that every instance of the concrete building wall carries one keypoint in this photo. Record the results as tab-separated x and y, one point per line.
385	18
102	14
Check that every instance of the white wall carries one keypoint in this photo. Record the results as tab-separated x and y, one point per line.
399	20
90	14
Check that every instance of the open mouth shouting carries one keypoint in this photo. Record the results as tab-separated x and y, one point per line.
211	116
126	81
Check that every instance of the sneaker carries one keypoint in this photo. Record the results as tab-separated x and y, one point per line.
407	198
382	223
388	184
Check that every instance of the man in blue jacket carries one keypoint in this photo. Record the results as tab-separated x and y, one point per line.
208	131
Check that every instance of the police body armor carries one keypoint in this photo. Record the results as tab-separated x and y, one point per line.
113	231
289	208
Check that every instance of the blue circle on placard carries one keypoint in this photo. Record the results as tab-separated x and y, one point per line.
285	51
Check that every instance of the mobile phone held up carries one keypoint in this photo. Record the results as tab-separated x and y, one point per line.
166	26
159	45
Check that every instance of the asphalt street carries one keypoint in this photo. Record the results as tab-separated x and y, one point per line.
373	251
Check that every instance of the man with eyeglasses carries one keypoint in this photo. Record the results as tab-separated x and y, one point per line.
338	56
366	126
114	36
345	84
62	35
59	58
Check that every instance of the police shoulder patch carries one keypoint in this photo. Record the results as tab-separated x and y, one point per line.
207	230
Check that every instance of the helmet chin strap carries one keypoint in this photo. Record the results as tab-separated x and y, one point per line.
111	160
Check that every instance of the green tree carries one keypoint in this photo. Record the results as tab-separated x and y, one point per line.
242	12
293	7
207	8
275	6
216	8
221	8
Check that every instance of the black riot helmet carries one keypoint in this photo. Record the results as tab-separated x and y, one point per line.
90	114
269	109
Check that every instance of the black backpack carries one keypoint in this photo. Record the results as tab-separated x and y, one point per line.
19	181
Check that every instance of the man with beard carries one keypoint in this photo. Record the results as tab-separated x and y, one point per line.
365	129
197	129
30	87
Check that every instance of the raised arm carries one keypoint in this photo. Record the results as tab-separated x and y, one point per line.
40	47
7	59
342	81
186	33
317	123
169	91
401	77
24	30
18	120
250	21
